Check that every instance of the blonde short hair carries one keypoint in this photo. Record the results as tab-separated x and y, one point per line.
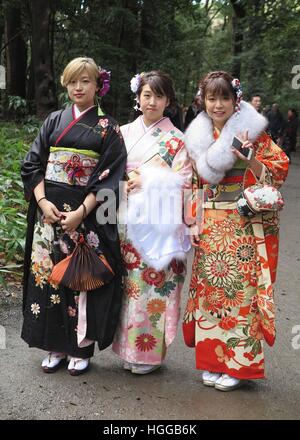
76	66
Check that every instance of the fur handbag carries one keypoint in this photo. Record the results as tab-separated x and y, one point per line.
259	198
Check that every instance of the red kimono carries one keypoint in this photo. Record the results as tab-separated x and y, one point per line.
230	309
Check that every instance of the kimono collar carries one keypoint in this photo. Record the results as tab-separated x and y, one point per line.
148	127
213	157
78	113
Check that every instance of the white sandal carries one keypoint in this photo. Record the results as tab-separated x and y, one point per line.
228	383
53	362
78	366
210	378
143	368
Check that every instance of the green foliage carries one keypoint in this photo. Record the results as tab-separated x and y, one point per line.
32	126
17	105
186	38
63	99
270	50
13	147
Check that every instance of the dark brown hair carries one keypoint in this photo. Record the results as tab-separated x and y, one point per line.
160	83
218	84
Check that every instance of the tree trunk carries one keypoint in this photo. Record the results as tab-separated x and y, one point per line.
237	32
16	54
42	58
30	96
1	29
128	40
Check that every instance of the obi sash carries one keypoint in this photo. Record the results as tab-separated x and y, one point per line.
70	165
230	187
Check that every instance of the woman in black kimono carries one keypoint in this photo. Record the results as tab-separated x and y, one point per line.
76	154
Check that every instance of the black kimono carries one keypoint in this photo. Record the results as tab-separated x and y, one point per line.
75	157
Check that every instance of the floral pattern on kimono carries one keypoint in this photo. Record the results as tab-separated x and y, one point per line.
74	156
221	317
151	305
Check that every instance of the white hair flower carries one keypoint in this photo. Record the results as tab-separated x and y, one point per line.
135	82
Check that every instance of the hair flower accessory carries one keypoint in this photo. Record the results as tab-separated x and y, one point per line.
104	80
135	82
237	87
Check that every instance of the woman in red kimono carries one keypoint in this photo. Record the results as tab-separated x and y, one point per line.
76	154
230	309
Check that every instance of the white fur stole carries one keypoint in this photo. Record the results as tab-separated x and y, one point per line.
155	224
214	157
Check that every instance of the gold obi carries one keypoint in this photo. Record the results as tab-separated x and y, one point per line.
230	188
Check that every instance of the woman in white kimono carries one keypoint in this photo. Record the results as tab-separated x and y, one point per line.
155	241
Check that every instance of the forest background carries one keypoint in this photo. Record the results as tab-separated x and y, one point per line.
257	41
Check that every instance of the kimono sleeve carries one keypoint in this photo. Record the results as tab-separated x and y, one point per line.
273	157
110	169
194	203
183	166
34	165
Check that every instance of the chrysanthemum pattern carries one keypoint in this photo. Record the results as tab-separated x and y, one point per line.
220	269
132	289
222	233
191	307
150	312
244	250
131	257
228	301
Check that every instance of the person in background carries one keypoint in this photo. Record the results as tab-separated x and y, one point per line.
288	141
193	110
292	127
276	123
175	115
256	102
265	111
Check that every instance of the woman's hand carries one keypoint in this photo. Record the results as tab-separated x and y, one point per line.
135	183
246	144
194	235
255	165
51	213
71	220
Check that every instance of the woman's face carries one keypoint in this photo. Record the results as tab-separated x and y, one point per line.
219	108
82	90
151	105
